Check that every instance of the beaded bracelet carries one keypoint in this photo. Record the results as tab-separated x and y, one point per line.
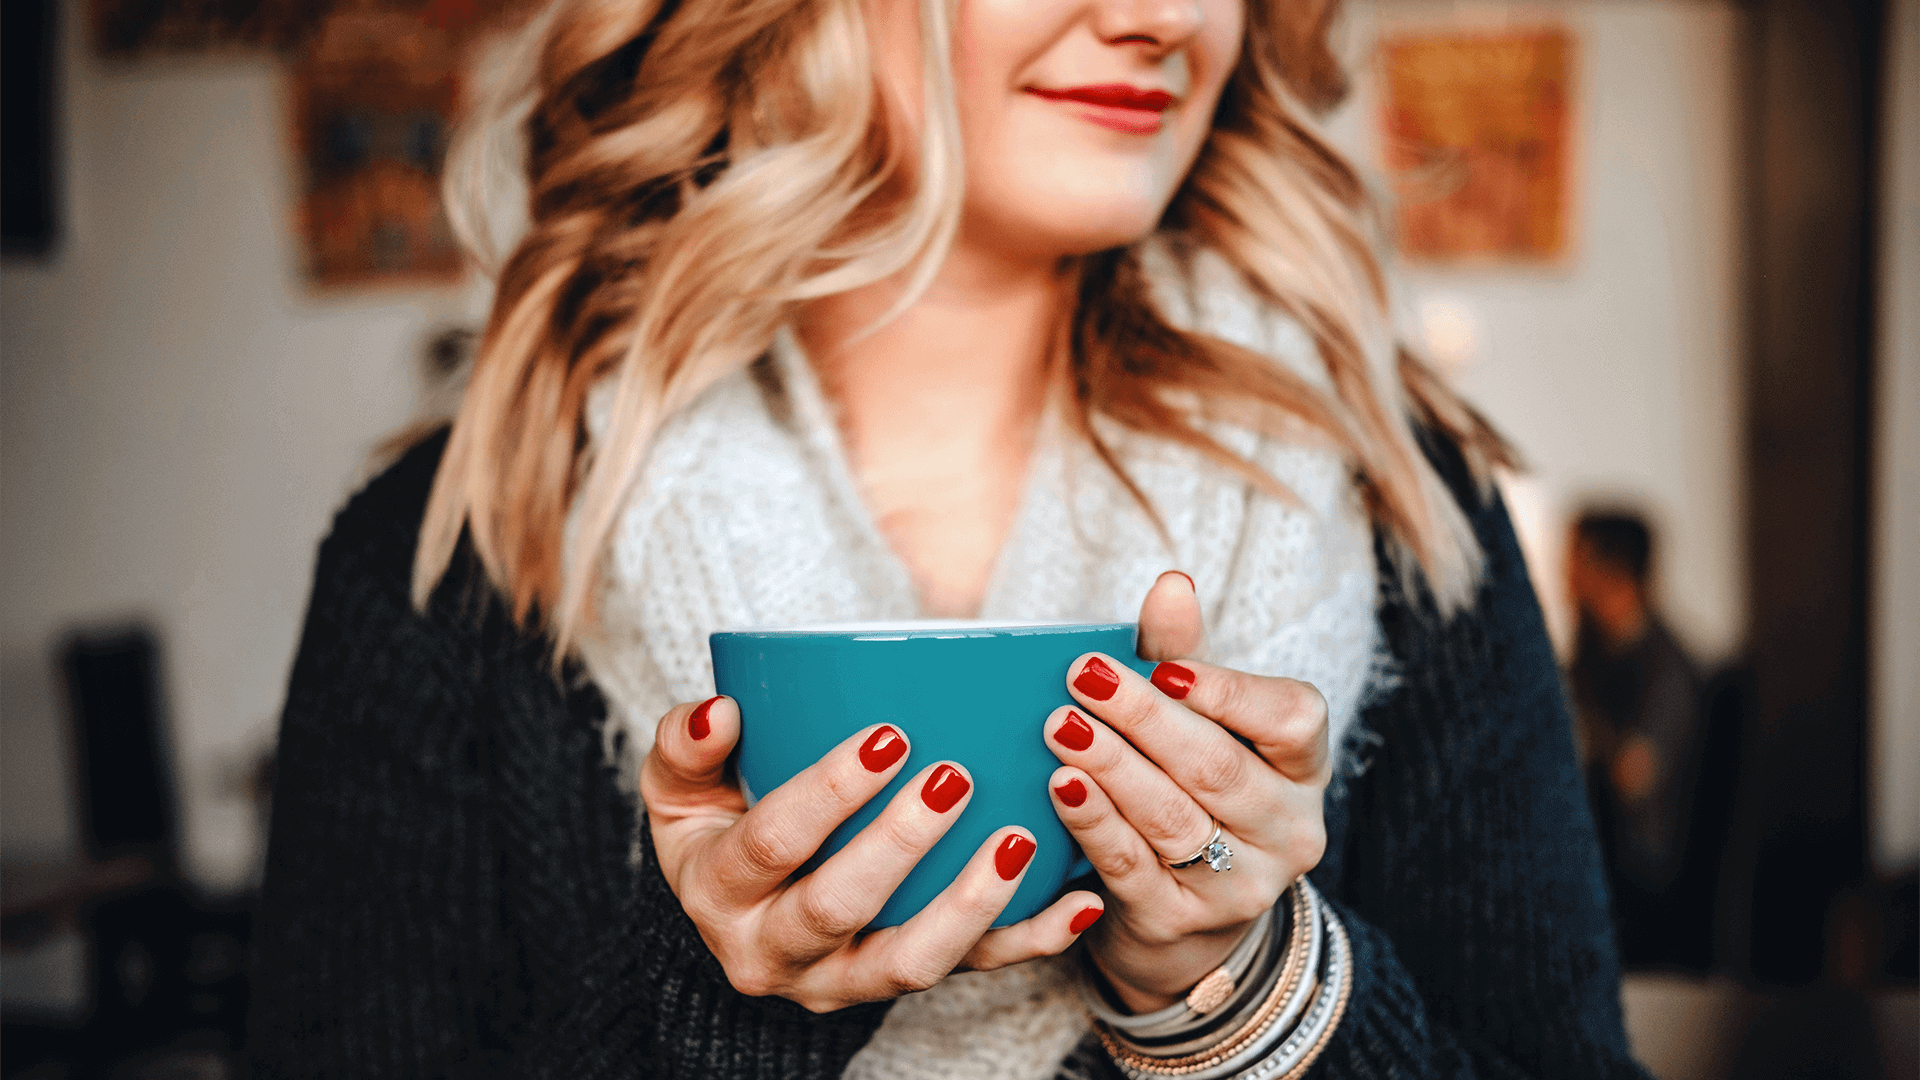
1285	941
1236	1014
1205	998
1277	1012
1283	965
1303	1048
1270	1043
1329	1002
1288	1059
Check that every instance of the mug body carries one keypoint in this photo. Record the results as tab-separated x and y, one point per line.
975	693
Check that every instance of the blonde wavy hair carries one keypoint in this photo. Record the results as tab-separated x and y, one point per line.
696	169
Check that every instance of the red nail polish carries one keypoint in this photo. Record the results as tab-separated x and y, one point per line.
1189	577
1073	792
697	725
1075	733
1012	855
1173	680
1097	680
944	788
882	749
1086	918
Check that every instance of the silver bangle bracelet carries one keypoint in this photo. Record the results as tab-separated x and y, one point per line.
1283	1042
1283	991
1276	967
1303	1047
1275	1027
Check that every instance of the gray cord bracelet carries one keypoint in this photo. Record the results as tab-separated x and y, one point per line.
1292	1019
1189	1012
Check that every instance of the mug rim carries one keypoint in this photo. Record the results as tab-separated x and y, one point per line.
906	629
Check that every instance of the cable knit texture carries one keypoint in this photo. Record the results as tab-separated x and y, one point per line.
748	514
453	889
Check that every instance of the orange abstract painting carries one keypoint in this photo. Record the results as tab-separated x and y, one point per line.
1476	130
374	96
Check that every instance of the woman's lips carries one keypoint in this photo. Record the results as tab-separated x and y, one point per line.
1117	106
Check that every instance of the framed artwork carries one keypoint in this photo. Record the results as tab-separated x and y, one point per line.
374	96
1476	131
135	28
374	88
132	28
374	85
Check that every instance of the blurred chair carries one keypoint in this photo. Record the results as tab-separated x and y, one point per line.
166	980
127	801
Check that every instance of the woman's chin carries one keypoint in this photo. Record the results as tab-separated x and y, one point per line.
1072	228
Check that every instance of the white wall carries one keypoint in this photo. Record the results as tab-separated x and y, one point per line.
1618	373
179	417
1895	739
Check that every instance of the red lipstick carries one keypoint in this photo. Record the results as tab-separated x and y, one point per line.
1118	106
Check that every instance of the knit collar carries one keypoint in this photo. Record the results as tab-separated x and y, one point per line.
748	514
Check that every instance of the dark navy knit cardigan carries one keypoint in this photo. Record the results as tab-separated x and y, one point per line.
450	890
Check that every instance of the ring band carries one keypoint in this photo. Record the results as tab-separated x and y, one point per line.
1215	853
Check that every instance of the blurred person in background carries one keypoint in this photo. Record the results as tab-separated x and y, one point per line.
1637	698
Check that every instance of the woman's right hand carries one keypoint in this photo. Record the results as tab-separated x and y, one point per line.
732	868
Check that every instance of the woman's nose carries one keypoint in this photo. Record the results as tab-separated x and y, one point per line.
1166	24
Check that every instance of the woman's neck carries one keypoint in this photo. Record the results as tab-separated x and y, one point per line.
938	409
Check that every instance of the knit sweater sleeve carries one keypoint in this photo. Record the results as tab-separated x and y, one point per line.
451	888
1470	878
372	931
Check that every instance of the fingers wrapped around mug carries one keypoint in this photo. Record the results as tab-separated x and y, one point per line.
803	940
688	759
954	930
1131	821
1283	720
1196	745
825	908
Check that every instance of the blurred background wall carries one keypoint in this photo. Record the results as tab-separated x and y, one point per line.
1616	373
179	417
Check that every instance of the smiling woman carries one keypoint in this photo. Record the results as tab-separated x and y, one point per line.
1079	123
840	311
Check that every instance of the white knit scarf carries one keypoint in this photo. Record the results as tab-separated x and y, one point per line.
748	514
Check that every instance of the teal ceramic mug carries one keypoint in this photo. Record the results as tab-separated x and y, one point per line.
975	693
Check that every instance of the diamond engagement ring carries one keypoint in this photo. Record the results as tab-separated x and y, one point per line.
1215	853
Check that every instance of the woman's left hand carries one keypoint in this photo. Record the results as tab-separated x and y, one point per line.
1150	766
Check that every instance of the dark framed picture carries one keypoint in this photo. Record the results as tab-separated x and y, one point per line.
374	95
28	203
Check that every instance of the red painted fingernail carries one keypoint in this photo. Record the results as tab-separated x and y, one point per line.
1073	792
697	725
882	749
1097	680
1173	680
1189	577
1012	855
944	788
1086	918
1075	733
